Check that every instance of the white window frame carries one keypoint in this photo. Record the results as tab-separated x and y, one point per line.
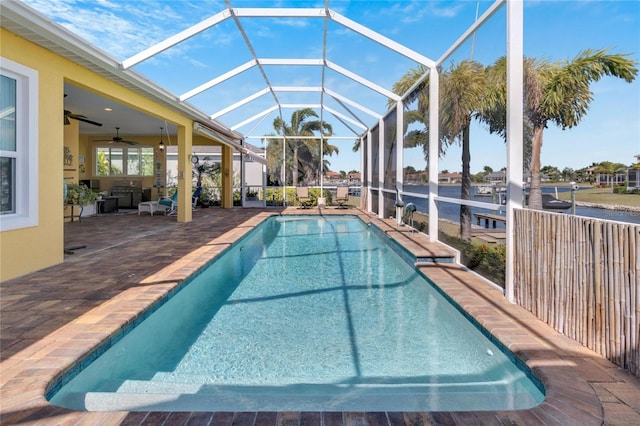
125	160
26	154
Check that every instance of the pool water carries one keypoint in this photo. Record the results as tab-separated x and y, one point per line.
305	313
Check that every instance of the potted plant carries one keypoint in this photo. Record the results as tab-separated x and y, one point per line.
252	195
204	200
79	195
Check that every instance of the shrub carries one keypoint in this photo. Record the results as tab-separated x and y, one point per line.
488	261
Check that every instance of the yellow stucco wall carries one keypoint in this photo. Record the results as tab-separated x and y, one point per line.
24	250
29	249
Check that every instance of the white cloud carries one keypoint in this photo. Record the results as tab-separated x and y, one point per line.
292	22
124	28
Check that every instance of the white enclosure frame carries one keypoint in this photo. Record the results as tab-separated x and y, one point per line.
354	117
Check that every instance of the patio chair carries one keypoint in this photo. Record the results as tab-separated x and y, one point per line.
169	205
195	196
302	194
342	196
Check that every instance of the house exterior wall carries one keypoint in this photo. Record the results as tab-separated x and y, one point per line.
26	249
29	249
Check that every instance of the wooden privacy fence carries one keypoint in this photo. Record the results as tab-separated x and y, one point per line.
582	277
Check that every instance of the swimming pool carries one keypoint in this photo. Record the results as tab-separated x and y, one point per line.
305	313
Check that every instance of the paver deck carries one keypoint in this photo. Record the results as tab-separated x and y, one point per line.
50	318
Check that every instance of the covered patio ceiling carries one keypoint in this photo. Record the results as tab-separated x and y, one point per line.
324	60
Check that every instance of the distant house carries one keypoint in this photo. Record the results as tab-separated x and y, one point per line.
590	172
449	177
417	178
354	178
604	179
331	176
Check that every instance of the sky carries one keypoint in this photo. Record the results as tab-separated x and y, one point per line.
553	30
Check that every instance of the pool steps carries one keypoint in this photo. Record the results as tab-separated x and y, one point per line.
414	246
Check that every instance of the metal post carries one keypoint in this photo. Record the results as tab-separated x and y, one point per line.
515	127
399	157
380	182
434	151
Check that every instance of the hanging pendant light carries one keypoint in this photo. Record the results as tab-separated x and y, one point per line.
161	144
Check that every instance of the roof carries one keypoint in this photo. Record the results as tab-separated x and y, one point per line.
323	78
19	18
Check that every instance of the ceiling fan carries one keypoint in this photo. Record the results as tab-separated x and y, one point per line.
68	114
117	139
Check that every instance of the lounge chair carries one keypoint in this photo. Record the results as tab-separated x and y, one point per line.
169	205
302	194
342	196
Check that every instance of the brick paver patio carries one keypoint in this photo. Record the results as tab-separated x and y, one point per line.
50	318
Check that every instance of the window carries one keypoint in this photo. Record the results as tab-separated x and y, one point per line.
124	161
18	146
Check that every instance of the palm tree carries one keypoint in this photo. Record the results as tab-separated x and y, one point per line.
461	93
416	137
310	160
300	126
275	171
558	93
493	111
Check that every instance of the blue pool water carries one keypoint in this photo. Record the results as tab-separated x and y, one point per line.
305	313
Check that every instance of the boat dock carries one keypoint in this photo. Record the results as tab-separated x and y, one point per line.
487	217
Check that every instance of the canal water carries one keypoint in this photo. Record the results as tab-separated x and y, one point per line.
452	211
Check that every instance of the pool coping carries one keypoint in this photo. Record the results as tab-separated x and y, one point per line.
572	375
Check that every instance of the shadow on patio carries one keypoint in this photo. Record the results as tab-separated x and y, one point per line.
121	252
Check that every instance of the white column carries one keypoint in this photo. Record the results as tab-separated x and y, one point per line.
284	172
434	151
399	156
515	86
380	168
369	171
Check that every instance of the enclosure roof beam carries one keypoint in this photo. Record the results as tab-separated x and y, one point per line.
363	81
210	133
209	84
242	102
291	106
278	12
471	30
380	39
302	62
340	98
354	115
175	39
297	88
255	117
345	118
253	54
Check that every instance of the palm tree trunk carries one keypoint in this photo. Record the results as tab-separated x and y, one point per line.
294	170
465	190
613	178
535	192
